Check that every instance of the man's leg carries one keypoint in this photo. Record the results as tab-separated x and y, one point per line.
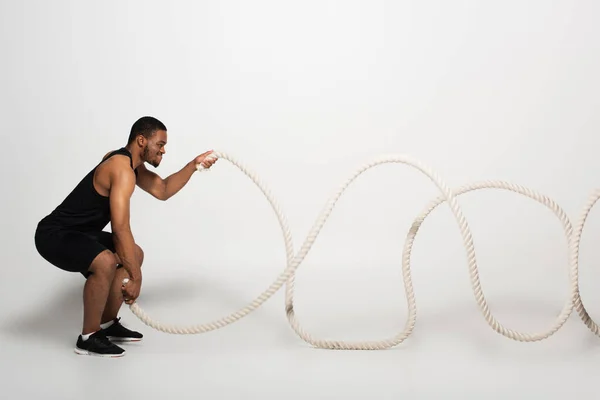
115	297
76	251
96	291
93	340
111	326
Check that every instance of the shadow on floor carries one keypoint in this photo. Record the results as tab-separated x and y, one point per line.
56	317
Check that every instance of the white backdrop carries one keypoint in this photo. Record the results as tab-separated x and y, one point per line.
303	93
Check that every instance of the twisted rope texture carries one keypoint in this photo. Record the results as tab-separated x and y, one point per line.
294	260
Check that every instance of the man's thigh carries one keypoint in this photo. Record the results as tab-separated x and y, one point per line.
71	251
105	239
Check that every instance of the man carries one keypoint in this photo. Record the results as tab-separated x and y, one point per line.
71	237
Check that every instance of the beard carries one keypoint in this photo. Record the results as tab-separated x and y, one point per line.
146	153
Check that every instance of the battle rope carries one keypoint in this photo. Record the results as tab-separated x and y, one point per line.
293	261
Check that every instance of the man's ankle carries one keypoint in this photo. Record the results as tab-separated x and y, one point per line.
85	335
108	323
90	329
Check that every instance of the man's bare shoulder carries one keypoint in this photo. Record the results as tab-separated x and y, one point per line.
115	170
118	166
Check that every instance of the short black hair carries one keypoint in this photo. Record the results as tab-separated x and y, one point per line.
145	126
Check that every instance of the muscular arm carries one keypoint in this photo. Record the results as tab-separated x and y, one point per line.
163	189
122	185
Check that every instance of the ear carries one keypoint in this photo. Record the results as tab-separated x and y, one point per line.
140	140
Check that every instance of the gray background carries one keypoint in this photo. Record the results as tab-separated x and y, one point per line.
304	93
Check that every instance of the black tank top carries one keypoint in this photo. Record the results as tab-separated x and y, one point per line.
84	209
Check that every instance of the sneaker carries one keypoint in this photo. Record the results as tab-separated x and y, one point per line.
118	333
98	345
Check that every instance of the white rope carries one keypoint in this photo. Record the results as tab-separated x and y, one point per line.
294	260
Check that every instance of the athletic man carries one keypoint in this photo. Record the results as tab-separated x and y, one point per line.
72	238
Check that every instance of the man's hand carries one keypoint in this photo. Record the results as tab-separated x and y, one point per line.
131	290
205	160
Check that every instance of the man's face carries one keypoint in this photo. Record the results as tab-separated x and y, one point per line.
155	148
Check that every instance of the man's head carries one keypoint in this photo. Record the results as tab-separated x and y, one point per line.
149	135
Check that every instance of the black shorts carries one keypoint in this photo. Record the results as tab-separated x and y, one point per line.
72	250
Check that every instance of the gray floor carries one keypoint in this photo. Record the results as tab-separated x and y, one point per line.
452	352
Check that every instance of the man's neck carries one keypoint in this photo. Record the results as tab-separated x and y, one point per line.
136	158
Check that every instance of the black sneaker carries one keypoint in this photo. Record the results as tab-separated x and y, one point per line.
118	333
98	345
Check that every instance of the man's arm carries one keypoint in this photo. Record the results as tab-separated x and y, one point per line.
163	189
121	188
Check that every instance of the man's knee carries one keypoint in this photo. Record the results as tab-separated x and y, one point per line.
140	254
104	264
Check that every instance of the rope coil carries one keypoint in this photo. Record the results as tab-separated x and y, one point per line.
294	260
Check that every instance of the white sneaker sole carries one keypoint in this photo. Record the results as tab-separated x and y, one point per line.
122	340
90	353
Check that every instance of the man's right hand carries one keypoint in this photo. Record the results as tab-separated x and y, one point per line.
206	159
131	290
